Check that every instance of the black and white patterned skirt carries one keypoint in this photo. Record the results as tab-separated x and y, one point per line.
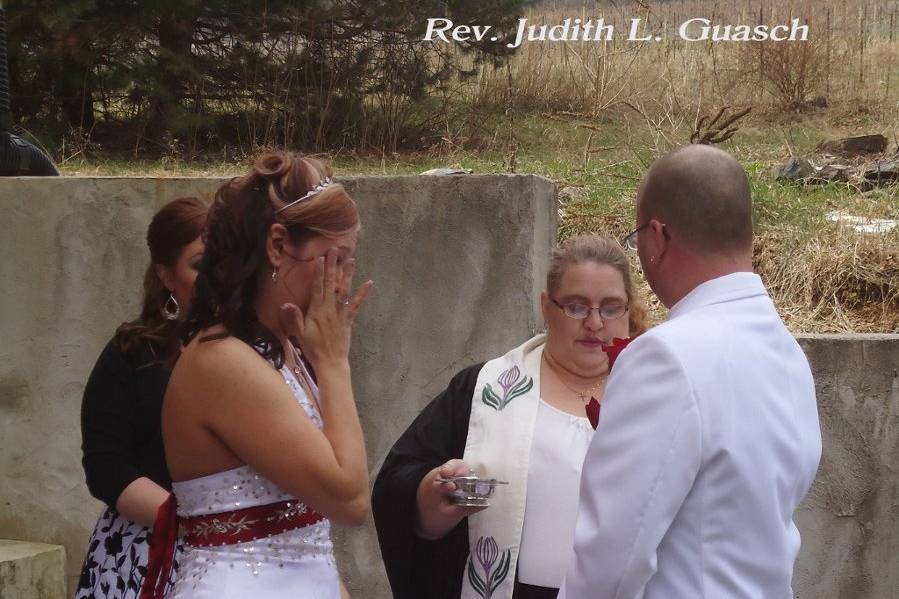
116	560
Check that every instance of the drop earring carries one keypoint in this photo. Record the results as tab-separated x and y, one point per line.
274	275
171	313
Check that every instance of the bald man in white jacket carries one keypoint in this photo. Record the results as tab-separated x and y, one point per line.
709	435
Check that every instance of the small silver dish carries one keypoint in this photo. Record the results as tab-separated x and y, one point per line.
472	491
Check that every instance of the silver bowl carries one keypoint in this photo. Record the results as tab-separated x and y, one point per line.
472	491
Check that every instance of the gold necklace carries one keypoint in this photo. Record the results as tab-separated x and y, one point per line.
591	407
582	395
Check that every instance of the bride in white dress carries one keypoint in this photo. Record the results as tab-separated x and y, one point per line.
259	423
301	556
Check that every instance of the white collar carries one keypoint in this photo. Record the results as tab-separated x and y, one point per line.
737	285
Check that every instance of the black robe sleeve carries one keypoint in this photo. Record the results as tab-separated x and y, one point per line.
417	568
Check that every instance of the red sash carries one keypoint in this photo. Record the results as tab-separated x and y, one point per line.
226	528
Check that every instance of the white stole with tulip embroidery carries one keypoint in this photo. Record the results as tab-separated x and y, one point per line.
500	430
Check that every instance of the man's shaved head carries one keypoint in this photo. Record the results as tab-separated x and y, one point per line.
703	195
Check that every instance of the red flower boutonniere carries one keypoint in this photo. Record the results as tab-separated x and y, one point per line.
612	352
615	348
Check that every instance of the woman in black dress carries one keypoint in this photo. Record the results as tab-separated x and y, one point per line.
123	459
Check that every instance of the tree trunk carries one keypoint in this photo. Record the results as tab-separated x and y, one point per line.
75	87
174	64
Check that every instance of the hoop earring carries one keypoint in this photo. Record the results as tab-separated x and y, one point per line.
169	313
274	275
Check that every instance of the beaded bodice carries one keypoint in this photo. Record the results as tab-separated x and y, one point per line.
240	487
244	487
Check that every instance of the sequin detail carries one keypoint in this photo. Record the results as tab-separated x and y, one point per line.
244	487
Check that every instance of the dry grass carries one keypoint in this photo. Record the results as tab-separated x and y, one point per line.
638	100
823	277
836	281
851	57
833	280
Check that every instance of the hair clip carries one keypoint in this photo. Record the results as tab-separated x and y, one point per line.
318	188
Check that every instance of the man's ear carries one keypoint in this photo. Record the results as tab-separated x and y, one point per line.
660	239
274	244
164	275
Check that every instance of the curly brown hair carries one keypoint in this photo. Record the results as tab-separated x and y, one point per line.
242	213
175	226
600	249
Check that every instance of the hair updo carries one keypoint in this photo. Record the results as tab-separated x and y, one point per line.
600	249
242	213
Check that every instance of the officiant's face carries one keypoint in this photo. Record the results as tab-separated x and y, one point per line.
577	343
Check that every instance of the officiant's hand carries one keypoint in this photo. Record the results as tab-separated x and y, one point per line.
437	515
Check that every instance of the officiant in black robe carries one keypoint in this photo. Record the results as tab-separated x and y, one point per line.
527	396
416	567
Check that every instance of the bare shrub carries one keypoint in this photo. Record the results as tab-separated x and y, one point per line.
793	70
719	129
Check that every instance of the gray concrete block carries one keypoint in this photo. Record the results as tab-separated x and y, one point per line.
457	261
32	570
849	521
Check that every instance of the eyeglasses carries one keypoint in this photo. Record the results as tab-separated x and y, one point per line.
630	240
582	311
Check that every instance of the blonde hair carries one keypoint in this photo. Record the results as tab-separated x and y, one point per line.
601	249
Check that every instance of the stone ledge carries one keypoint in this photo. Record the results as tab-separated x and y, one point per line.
32	570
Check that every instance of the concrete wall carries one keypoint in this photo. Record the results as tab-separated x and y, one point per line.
457	263
850	519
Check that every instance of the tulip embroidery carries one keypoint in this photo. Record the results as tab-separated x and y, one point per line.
492	563
511	387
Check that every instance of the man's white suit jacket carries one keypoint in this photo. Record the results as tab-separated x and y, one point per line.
708	440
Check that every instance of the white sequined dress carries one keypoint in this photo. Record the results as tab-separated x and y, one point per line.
296	564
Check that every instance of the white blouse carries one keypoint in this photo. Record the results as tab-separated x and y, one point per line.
558	449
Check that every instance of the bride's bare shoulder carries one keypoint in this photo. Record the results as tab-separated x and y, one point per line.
214	351
215	371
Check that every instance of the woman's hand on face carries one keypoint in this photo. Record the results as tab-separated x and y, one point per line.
324	330
437	514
